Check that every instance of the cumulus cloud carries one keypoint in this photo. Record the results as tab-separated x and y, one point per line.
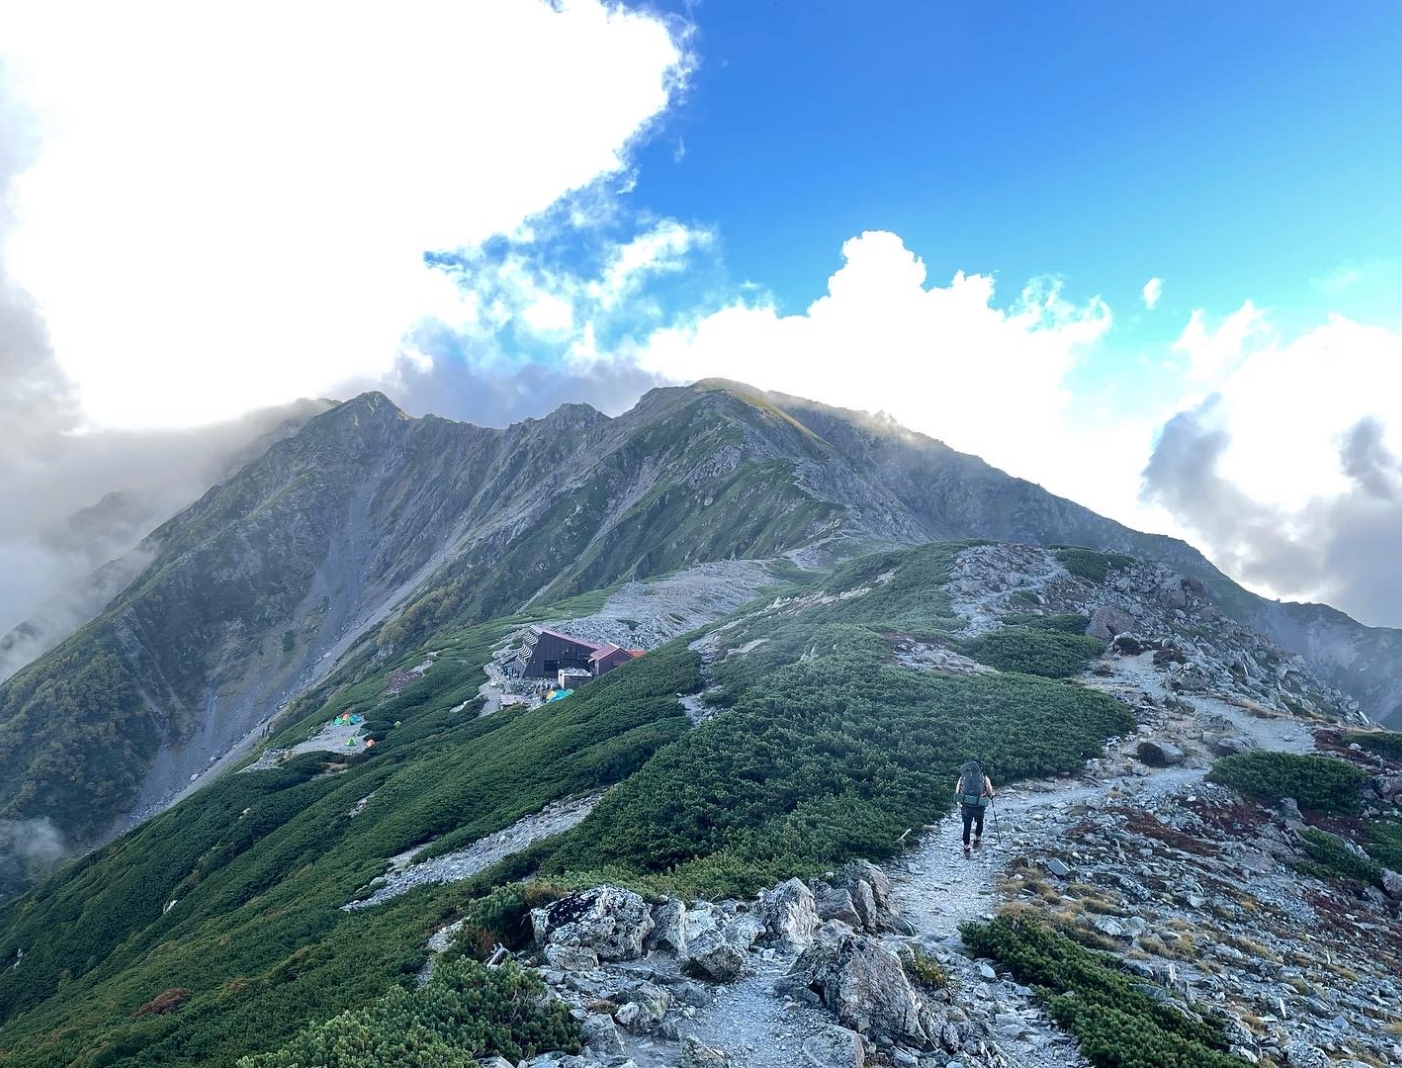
242	220
944	359
1153	290
1288	471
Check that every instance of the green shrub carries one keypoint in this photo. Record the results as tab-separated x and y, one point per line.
827	758
924	970
1049	653
1089	564
1317	783
1119	1020
1330	857
1065	623
1384	743
466	1012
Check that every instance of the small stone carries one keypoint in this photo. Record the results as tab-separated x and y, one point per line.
1057	868
987	971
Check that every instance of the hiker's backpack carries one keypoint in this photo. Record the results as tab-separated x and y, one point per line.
971	785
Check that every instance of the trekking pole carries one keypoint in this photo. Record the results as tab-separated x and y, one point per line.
997	831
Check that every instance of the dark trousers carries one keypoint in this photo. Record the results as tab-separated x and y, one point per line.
973	817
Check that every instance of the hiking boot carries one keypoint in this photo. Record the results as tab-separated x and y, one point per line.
967	849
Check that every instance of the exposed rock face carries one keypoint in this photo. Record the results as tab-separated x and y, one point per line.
606	919
862	983
790	915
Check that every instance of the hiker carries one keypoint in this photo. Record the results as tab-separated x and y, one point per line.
973	791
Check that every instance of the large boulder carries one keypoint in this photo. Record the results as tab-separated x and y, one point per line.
1392	884
835	903
1158	753
861	982
790	915
1106	621
835	1047
712	956
668	927
601	1036
871	894
606	919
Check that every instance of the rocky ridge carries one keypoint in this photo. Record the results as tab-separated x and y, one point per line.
1194	888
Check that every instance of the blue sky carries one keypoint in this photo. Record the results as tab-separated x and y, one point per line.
946	211
1239	151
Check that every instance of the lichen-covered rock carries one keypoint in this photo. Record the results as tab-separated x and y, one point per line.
571	958
790	915
870	891
644	1007
606	919
862	983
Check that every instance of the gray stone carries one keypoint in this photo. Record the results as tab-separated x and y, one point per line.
696	1054
668	928
790	915
743	931
1158	753
1300	1054
650	1002
607	919
710	956
1106	622
835	903
1057	868
862	983
835	1047
1392	884
572	958
601	1036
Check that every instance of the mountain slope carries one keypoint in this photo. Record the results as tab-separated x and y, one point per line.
372	529
832	718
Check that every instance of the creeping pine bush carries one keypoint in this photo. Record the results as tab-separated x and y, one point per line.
1049	653
1119	1020
1089	564
1385	743
1318	783
466	1012
1330	857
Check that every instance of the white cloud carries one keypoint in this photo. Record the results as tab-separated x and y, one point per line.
1153	290
1286	403
1214	353
941	359
240	218
1286	468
